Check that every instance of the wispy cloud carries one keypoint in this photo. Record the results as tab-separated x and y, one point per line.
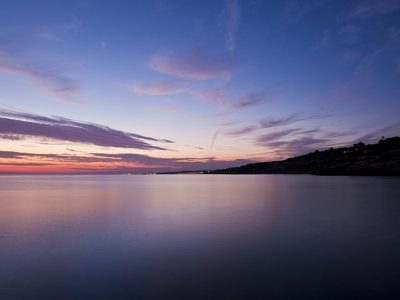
228	123
269	122
103	46
326	39
196	65
359	27
22	124
350	34
229	21
298	146
18	164
372	8
185	163
53	157
73	25
10	137
214	137
352	90
241	131
374	56
266	139
351	55
10	154
276	122
161	88
58	84
397	66
113	163
388	130
251	99
296	141
223	98
46	75
18	37
295	11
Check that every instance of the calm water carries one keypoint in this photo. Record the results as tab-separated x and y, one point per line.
199	237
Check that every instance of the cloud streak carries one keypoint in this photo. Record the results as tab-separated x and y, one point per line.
214	138
222	98
268	123
111	163
373	8
197	65
58	85
299	141
185	163
268	138
298	146
277	122
161	88
229	21
389	130
22	124
241	131
295	11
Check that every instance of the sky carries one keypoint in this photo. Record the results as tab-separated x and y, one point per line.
148	86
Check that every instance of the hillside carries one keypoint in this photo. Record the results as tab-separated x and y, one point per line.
381	159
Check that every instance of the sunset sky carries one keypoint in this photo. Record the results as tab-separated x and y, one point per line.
142	86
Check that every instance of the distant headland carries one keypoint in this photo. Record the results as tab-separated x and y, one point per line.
380	159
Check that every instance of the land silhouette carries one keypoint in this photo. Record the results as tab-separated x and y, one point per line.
380	159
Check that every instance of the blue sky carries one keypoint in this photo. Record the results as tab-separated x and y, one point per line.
225	82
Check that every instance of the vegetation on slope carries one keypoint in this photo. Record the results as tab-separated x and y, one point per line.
382	158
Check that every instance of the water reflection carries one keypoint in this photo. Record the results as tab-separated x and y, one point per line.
198	237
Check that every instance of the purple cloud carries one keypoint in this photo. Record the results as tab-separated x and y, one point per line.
59	85
73	25
264	124
266	139
326	39
24	164
372	8
299	146
214	138
241	131
197	65
293	118
350	34
121	163
54	157
295	11
158	88
229	21
251	99
397	66
352	90
222	98
292	142
14	123
373	136
267	123
298	141
10	154
276	122
350	56
11	137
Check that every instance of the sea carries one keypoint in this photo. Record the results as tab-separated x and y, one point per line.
199	236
